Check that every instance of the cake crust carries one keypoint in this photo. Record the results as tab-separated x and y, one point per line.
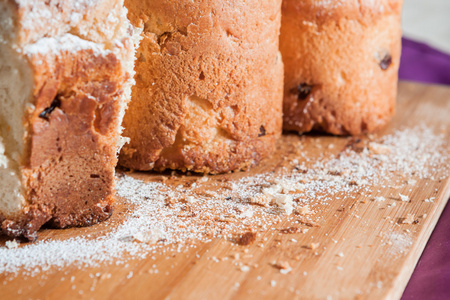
68	173
71	122
341	64
208	91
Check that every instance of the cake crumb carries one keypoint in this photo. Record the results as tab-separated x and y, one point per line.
409	219
283	266
247	238
404	198
379	199
411	182
203	179
245	268
261	200
291	230
304	210
314	246
12	244
149	237
377	148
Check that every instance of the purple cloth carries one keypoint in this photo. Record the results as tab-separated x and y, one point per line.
431	278
422	63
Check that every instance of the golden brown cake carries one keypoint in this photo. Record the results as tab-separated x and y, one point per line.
341	63
66	70
208	93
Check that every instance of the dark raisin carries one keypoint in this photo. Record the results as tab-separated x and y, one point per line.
45	114
302	91
262	131
386	62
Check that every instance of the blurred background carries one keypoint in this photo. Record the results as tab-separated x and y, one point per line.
426	43
428	21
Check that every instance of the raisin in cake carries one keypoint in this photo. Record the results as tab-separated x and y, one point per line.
341	63
66	70
209	80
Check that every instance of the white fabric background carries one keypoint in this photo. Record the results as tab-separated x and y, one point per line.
428	21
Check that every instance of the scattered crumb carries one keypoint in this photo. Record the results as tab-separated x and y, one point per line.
260	199
285	271
409	219
245	268
282	265
273	283
284	202
151	236
379	199
203	179
314	246
412	182
247	238
404	198
191	199
291	230
130	275
304	210
377	148
12	244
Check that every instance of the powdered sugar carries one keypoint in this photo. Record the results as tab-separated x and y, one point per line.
165	214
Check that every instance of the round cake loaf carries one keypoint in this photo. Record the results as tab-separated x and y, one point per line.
209	84
341	63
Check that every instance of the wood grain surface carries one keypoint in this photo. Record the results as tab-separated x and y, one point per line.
364	251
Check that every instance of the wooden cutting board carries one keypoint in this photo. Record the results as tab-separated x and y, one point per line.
364	251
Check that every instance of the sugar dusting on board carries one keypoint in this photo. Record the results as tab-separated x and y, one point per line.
167	217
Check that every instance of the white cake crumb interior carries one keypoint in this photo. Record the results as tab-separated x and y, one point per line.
15	95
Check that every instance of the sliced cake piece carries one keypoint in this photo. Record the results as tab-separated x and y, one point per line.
66	71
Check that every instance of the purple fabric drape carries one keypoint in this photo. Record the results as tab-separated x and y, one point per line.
431	278
422	63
